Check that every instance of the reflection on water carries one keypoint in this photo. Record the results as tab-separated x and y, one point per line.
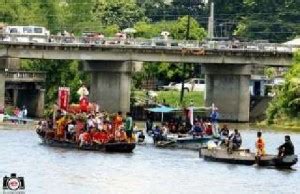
146	170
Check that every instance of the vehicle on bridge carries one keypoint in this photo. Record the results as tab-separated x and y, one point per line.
25	34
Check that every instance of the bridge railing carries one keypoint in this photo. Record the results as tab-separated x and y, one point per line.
141	42
25	75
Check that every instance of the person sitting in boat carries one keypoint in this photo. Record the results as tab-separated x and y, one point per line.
39	129
164	130
149	125
260	145
157	134
287	148
103	136
90	122
141	137
208	130
235	140
71	130
84	138
224	132
198	131
96	138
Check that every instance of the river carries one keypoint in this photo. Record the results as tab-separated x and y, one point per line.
146	170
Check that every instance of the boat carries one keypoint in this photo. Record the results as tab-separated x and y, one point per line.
245	157
123	147
186	142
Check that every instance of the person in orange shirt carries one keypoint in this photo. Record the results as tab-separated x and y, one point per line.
119	119
260	145
117	123
60	130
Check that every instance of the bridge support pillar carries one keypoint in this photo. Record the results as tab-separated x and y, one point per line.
227	86
110	84
40	103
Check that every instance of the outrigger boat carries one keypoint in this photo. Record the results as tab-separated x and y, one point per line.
245	157
124	147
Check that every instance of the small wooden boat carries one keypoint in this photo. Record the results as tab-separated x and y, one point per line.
188	142
193	142
106	147
245	157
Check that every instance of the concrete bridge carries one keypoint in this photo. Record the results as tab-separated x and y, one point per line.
22	87
227	68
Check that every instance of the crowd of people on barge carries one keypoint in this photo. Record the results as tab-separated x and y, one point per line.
88	128
86	125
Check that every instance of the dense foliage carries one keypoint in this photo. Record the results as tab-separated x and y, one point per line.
286	103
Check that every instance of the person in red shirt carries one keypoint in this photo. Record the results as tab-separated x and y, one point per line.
97	137
84	138
103	136
84	104
208	130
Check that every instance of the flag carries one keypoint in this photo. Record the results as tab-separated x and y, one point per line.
63	98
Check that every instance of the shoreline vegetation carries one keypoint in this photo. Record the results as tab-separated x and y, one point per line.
292	125
171	98
284	109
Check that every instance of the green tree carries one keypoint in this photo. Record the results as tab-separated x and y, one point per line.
176	28
286	104
276	21
155	10
59	73
123	13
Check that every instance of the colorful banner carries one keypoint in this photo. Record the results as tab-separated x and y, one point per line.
63	98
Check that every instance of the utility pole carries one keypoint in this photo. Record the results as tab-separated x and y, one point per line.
210	34
187	37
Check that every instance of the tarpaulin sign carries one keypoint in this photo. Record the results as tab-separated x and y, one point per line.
63	97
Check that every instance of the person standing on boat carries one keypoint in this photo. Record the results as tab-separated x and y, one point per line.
128	126
117	122
82	92
260	145
149	125
214	120
287	148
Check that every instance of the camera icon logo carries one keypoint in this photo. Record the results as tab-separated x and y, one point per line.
13	182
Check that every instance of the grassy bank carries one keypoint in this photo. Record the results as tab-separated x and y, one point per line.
283	125
173	97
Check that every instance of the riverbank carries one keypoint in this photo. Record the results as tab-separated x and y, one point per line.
12	125
286	125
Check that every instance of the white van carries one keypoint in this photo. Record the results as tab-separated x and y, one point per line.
25	34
